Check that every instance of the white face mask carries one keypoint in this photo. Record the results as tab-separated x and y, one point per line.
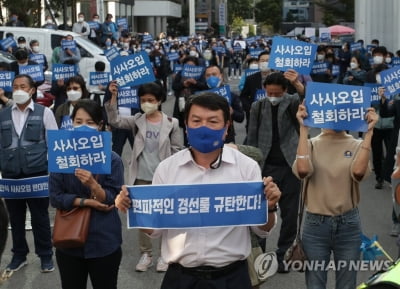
20	96
125	45
74	95
378	59
320	57
35	49
388	59
253	66
207	55
353	65
22	45
80	19
148	107
378	78
263	66
173	51
193	53
275	100
49	21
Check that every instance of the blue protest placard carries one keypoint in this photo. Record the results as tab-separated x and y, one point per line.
123	23
219	50
260	94
374	91
147	38
35	71
335	70
63	71
66	123
197	205
255	52
224	91
111	53
132	70
6	79
396	61
370	47
36	187
249	72
192	71
184	38
96	78
93	25
7	43
391	80
68	44
355	46
335	106
172	56
319	67
237	47
128	97
37	57
178	68
71	149
294	54
250	40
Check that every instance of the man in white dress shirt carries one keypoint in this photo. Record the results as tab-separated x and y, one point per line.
208	257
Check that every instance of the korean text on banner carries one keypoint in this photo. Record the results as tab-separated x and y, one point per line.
69	150
294	54
132	70
128	97
197	205
391	80
36	187
339	107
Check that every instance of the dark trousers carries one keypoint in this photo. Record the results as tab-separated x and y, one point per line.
40	225
176	279
103	272
119	137
380	137
289	185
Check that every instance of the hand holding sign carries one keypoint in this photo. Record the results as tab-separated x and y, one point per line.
271	191
123	201
371	117
301	114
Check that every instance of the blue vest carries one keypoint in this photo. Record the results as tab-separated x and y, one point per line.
25	155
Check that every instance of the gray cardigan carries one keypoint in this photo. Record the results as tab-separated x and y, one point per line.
260	127
170	135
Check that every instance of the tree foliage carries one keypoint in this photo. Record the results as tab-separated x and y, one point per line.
240	8
336	11
269	12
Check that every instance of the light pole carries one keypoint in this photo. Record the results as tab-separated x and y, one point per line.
191	17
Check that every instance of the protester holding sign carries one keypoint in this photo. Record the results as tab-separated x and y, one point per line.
101	256
223	250
157	136
332	164
36	56
70	53
23	151
274	129
75	90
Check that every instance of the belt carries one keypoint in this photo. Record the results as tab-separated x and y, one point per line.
208	272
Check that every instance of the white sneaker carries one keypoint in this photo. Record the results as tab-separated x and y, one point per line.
144	263
161	265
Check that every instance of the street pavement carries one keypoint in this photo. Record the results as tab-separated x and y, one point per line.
375	210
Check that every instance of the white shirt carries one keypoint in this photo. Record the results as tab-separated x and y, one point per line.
19	117
206	246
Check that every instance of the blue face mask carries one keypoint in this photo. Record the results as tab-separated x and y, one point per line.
85	127
213	81
205	139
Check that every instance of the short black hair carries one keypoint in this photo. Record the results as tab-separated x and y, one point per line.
379	49
209	100
265	52
214	65
276	78
92	108
21	54
152	88
32	42
99	66
192	59
4	66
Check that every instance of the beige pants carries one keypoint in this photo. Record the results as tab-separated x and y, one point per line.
144	240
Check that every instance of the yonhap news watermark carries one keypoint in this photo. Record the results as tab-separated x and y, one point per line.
332	265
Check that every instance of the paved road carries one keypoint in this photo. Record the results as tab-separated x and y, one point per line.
375	210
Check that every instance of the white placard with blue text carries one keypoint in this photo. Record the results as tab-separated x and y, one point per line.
128	97
335	106
294	54
35	71
391	80
192	71
36	187
132	70
69	150
63	71
197	205
6	79
99	78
